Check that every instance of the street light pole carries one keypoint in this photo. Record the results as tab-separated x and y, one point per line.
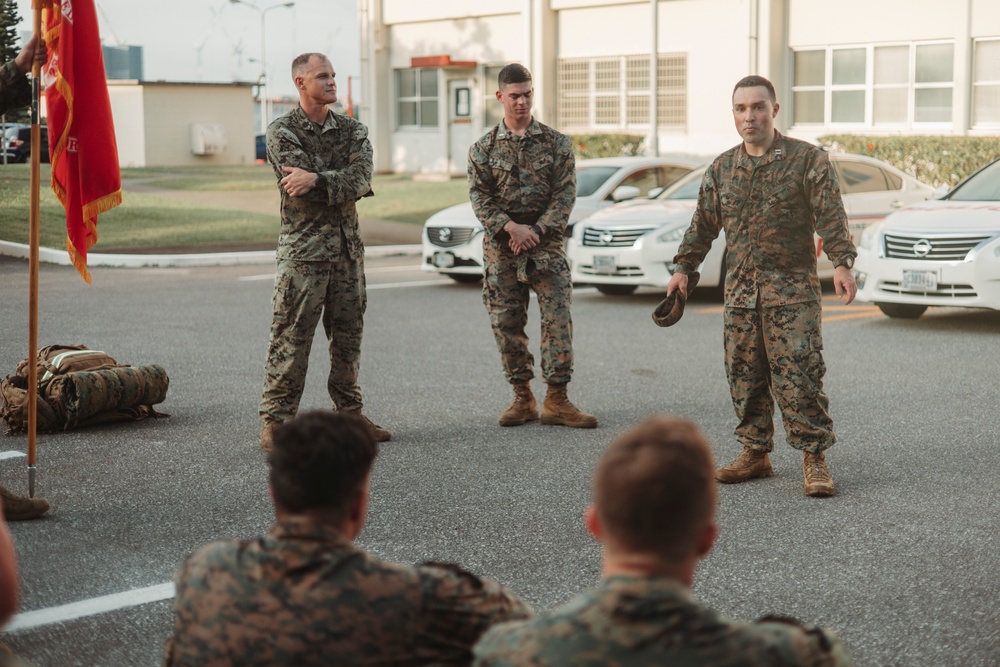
262	88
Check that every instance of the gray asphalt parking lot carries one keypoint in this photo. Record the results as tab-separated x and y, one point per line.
902	562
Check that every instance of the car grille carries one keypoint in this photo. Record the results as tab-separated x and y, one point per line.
946	291
951	248
449	237
613	238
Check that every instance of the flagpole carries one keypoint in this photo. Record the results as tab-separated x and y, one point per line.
34	242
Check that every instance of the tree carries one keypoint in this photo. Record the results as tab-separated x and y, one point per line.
9	20
9	47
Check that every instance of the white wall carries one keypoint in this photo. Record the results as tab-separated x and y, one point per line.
714	64
489	39
813	22
171	109
408	11
129	118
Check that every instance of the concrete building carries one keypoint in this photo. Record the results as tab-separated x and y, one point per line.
160	123
853	66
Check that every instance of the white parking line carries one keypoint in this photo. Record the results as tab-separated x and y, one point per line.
377	269
415	283
11	455
91	607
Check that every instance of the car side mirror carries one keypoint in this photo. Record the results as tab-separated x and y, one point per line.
625	192
940	191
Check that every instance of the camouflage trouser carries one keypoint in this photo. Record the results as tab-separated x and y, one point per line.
507	300
303	293
776	354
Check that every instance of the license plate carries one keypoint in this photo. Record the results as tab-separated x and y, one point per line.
920	281
605	264
444	260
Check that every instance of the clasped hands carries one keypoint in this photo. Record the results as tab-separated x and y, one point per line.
522	237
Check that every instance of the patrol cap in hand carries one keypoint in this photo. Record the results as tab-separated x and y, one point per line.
669	311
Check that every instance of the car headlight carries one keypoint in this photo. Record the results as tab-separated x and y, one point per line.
869	237
671	235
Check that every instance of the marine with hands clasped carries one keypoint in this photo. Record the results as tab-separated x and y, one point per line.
771	194
323	163
522	185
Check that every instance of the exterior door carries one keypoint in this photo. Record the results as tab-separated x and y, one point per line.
461	128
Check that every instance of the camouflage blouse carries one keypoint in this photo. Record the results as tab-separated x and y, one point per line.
15	91
315	226
304	595
533	175
769	208
639	621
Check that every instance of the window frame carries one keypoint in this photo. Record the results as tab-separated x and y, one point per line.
579	107
418	99
869	87
980	84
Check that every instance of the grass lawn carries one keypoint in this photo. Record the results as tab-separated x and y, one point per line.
147	220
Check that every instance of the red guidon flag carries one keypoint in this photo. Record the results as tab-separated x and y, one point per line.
82	148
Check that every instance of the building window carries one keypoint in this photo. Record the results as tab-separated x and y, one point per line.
897	85
986	83
611	94
416	98
492	109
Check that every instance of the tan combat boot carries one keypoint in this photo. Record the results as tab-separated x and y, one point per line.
819	484
524	408
556	409
20	508
749	464
267	434
381	434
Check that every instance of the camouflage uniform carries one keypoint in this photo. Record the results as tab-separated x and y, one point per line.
320	259
638	621
530	179
15	91
304	595
769	210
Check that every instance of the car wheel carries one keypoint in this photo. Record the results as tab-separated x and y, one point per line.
465	277
616	290
906	311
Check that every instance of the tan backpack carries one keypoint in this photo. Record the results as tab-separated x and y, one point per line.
79	387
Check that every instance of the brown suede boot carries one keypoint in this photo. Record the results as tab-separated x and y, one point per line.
381	434
20	508
556	409
524	408
819	484
267	434
749	464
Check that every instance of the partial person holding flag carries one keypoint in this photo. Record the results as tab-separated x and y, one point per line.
15	91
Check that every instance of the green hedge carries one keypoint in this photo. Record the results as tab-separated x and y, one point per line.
936	160
607	145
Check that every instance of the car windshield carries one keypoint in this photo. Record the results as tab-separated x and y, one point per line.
588	179
982	186
685	187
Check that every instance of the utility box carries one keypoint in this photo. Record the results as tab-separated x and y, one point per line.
208	139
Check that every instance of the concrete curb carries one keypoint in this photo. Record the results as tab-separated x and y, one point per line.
51	256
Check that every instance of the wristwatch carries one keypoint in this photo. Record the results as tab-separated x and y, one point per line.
846	262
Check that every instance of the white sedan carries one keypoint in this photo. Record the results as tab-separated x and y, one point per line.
632	244
453	238
936	253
